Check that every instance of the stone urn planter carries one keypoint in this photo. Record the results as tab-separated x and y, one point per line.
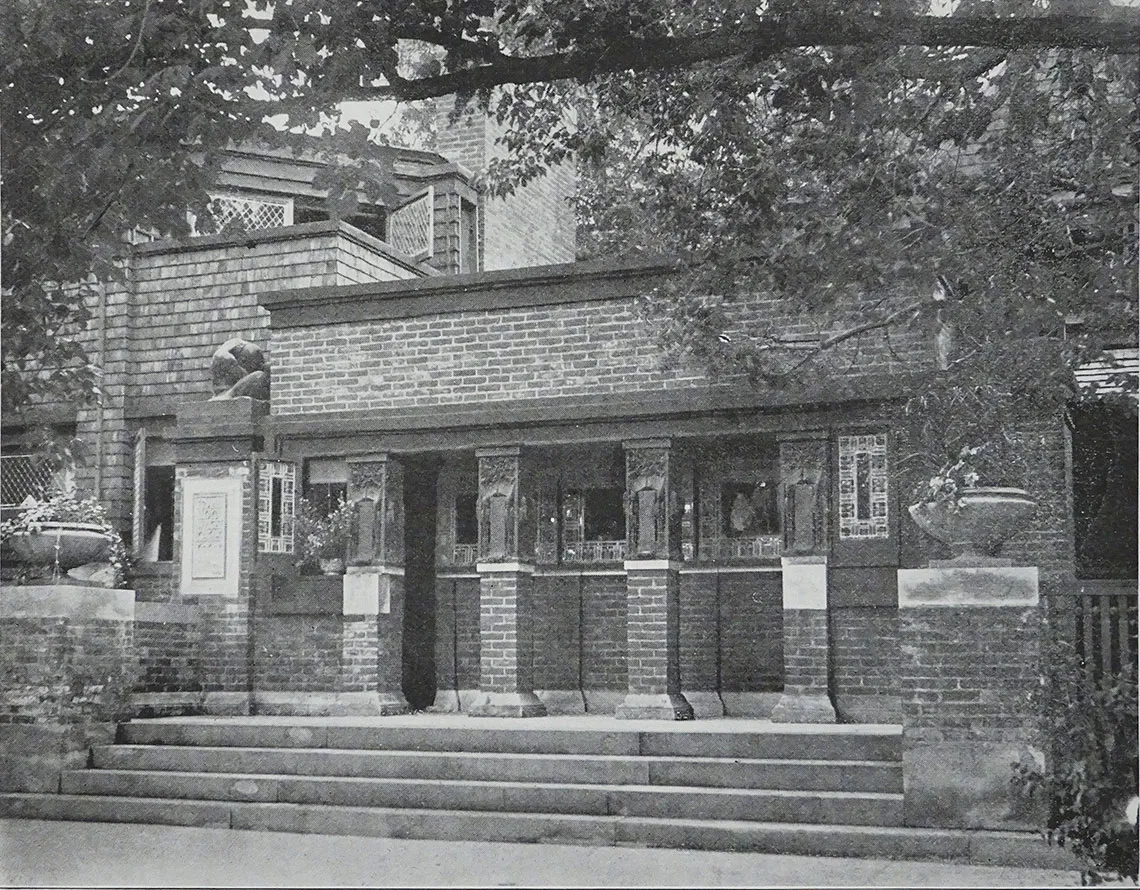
63	544
980	520
331	565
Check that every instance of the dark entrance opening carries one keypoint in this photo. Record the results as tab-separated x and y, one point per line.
419	680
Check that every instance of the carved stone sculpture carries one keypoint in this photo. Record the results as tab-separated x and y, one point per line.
239	369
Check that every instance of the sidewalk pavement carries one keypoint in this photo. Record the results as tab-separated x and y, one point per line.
84	854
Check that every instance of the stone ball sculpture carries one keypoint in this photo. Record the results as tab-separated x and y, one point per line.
239	369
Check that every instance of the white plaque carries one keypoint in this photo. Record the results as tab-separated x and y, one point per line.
211	535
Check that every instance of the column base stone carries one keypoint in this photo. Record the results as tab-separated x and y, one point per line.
330	704
507	704
562	701
705	704
654	706
803	708
227	704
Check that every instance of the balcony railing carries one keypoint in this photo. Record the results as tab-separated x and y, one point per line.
465	554
595	551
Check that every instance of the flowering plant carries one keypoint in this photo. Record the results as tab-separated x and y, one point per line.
64	507
321	536
955	477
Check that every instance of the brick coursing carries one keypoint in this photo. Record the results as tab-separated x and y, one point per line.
58	670
225	659
534	226
157	584
389	630
700	633
968	673
359	655
751	645
168	656
472	356
652	631
297	653
557	633
865	651
506	632
805	651
467	633
604	632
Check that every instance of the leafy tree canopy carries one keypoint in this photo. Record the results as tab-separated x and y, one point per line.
972	173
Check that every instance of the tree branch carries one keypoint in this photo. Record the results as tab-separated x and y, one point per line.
624	52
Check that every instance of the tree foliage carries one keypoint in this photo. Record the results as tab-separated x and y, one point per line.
844	156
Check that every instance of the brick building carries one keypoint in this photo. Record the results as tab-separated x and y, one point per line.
547	518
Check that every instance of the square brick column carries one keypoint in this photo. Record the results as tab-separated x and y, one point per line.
506	587
373	602
803	485
805	698
653	600
215	535
969	667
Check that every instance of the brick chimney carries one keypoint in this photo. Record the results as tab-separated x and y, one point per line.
533	227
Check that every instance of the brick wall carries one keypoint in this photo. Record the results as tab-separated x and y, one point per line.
154	582
950	690
65	681
604	632
700	633
225	660
168	656
752	632
188	301
865	663
535	226
474	356
466	622
60	670
491	355
557	632
1046	540
297	653
506	632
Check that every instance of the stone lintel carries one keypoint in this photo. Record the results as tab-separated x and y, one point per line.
804	580
630	444
654	706
75	601
504	568
499	451
652	565
506	704
982	586
368	592
238	412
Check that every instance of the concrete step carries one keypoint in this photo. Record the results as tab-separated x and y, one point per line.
776	774
974	847
853	742
838	807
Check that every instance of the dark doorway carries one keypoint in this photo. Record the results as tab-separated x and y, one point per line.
419	681
1104	491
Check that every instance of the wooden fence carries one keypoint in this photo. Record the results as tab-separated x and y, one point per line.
1104	618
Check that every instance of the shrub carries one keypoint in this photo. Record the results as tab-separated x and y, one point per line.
1090	728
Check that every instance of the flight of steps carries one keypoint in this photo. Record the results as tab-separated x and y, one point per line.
819	791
